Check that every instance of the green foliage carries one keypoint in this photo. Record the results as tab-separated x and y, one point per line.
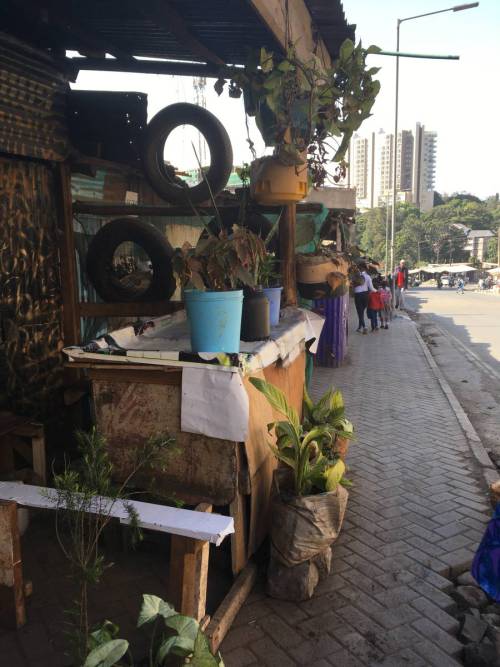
172	636
301	106
297	447
430	236
84	498
220	261
328	411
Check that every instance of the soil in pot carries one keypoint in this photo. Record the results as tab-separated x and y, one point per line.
255	322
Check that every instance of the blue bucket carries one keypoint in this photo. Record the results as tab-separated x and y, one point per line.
274	296
215	320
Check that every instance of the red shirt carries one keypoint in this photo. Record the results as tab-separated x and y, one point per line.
375	301
400	280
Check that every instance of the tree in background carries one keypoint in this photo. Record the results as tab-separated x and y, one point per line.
431	236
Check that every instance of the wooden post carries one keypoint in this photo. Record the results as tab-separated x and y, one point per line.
187	581
287	254
12	611
71	315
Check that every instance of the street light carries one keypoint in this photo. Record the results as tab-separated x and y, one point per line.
456	8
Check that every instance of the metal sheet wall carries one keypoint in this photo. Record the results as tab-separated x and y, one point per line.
32	103
30	288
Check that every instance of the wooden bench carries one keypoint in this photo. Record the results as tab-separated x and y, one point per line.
21	435
192	533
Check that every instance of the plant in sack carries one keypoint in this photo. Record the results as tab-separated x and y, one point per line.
308	511
330	411
322	274
306	111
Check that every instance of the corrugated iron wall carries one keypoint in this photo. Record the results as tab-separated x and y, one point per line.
32	103
30	288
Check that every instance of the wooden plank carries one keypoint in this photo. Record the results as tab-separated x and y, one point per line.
237	509
302	33
287	255
188	573
146	309
39	460
226	613
212	528
12	610
71	319
169	376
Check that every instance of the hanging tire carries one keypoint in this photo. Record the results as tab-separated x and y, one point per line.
110	287
162	177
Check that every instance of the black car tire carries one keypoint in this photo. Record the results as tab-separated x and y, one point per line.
162	178
100	261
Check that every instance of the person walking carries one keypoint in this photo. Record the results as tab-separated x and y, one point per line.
361	292
375	308
460	286
401	283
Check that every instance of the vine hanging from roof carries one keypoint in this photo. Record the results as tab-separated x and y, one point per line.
304	110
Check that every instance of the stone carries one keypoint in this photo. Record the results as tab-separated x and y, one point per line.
473	629
295	583
492	609
466	579
480	655
471	596
491	619
323	562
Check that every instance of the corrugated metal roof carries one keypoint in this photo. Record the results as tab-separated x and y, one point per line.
226	28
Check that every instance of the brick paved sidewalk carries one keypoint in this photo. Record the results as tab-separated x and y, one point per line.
414	518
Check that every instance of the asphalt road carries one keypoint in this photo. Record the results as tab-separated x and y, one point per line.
473	318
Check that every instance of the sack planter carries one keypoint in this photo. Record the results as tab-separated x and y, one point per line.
273	183
214	319
274	296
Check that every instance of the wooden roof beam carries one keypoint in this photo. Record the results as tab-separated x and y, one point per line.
167	17
303	33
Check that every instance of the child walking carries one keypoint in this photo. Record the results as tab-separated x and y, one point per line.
375	307
386	312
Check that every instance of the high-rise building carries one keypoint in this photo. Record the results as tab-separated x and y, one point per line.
424	168
372	167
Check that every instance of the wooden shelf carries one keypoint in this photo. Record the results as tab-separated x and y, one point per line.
153	308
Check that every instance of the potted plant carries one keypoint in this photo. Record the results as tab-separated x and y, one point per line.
322	274
299	107
269	279
308	510
329	411
212	275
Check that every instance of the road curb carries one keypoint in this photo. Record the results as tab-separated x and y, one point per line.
489	471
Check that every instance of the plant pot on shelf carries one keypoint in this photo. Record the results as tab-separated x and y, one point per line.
273	183
255	322
321	277
274	296
215	320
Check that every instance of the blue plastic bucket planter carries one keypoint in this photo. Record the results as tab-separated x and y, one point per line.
274	296
215	320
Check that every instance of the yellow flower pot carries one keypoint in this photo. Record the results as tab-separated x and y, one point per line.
272	183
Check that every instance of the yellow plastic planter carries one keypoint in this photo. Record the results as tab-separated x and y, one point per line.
272	183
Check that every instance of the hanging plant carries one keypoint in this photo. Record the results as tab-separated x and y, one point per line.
307	112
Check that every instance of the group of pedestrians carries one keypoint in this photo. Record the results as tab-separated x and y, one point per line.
374	295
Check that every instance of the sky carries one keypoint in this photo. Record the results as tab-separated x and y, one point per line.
460	100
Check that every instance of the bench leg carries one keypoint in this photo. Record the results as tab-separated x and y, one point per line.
12	610
187	581
239	556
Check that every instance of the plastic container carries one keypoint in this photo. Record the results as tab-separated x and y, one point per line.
274	296
215	320
272	183
255	322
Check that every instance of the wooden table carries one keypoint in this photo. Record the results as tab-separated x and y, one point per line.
134	403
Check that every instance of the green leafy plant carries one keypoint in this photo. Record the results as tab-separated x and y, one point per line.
329	411
84	497
298	446
300	107
174	639
268	273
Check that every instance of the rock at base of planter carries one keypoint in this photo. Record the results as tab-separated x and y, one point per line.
323	562
466	579
473	629
471	596
480	655
295	583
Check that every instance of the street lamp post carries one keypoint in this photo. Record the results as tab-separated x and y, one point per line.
456	8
